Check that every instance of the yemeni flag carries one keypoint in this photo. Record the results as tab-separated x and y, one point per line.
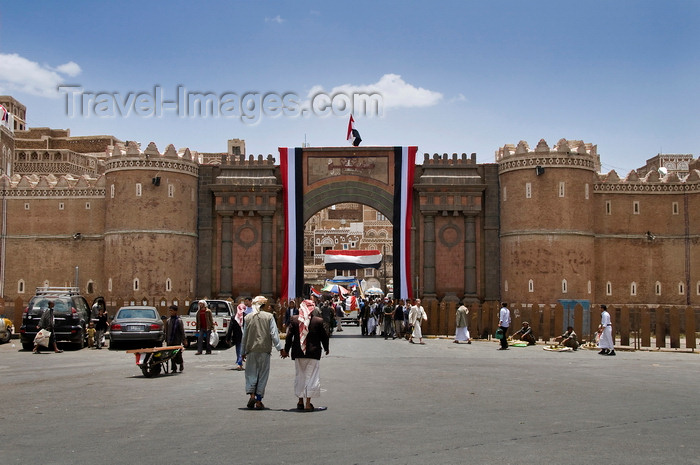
352	259
353	135
405	163
5	115
293	258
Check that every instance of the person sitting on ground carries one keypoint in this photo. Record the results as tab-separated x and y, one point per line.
568	339
525	334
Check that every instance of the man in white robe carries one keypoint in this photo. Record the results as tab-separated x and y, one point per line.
606	344
416	317
462	332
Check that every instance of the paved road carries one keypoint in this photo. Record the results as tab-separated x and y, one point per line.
389	402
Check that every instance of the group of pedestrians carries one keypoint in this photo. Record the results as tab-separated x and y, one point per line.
569	339
306	339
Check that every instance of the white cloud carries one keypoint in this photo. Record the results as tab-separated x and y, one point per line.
277	19
395	92
458	98
17	74
71	69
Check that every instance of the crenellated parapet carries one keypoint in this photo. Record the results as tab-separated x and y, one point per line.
652	182
49	186
55	161
130	157
565	154
446	159
247	161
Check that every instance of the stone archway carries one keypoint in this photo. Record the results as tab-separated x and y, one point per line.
348	191
455	230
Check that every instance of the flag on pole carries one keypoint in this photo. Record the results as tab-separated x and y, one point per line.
5	115
353	135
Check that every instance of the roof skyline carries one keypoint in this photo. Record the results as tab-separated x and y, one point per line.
450	77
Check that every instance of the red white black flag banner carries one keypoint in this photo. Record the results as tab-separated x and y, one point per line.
353	134
404	168
293	258
352	259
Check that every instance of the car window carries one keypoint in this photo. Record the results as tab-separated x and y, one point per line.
81	305
219	308
38	305
62	306
136	313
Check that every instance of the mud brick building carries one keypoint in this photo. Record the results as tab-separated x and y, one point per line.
538	224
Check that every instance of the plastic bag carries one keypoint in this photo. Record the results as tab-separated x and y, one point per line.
42	338
499	334
214	339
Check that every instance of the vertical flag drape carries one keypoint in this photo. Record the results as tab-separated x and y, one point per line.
405	161
293	258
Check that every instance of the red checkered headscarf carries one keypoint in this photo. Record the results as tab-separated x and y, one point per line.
305	310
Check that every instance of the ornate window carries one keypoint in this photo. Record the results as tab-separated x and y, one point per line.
136	284
608	288
531	286
633	289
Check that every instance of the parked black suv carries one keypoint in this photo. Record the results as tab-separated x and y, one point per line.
71	316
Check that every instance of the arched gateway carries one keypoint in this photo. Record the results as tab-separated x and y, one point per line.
450	248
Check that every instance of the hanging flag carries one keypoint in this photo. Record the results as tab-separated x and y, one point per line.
4	114
293	255
404	167
353	135
352	259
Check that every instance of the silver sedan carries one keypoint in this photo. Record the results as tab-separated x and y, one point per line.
136	324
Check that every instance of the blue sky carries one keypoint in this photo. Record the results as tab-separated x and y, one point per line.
463	76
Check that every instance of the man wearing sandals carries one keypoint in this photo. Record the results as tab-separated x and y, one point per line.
259	336
305	338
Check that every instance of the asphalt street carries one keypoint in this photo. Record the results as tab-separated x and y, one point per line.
389	402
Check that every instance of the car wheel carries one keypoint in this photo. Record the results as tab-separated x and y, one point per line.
27	346
6	339
113	344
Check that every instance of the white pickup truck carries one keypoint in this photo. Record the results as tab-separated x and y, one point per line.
222	311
